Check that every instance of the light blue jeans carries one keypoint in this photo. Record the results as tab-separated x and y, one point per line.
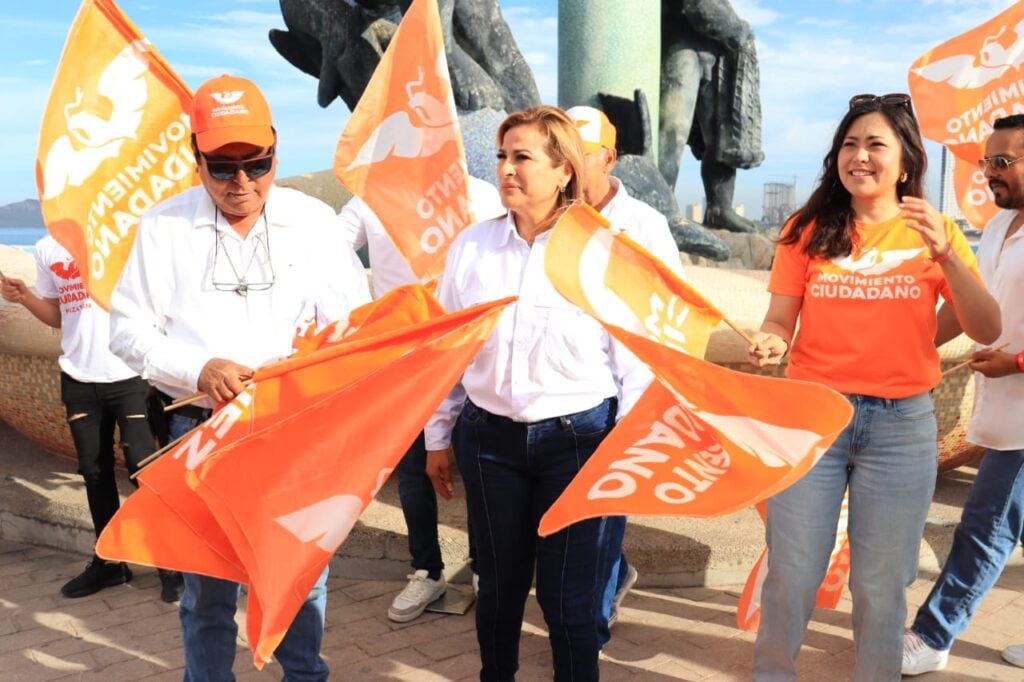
887	457
990	528
207	613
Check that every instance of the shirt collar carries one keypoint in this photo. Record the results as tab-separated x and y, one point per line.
620	190
511	234
205	215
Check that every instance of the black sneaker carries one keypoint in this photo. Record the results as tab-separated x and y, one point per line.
97	575
171	585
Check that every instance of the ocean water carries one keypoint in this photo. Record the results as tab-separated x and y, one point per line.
23	237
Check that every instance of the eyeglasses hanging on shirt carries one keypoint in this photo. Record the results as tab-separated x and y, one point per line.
258	271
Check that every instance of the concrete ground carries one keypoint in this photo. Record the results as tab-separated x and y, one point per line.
126	633
668	630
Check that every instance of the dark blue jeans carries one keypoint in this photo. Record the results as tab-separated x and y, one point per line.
93	409
614	569
991	526
513	472
419	506
207	613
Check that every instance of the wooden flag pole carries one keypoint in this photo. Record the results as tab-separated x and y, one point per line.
967	362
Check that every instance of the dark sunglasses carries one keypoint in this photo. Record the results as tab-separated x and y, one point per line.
893	99
997	163
253	168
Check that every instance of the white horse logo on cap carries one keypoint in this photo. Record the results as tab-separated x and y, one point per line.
227	97
397	135
967	71
92	139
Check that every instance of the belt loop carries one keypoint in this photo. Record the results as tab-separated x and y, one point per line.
565	422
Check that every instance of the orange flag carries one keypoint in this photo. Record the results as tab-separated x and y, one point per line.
619	282
401	150
962	86
748	611
702	441
972	193
114	142
344	409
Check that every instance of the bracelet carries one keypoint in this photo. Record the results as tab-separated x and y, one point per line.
1020	361
944	256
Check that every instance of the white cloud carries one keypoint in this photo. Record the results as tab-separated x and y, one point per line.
753	13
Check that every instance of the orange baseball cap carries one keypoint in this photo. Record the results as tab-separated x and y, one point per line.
230	109
595	128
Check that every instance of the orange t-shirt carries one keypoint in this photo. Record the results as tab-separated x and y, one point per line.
867	321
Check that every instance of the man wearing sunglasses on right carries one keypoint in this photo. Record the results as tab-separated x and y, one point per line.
219	280
992	521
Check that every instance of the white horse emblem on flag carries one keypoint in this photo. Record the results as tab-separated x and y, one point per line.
92	139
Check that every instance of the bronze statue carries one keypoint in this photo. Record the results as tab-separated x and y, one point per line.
340	43
709	100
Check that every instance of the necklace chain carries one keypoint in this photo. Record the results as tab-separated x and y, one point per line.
243	288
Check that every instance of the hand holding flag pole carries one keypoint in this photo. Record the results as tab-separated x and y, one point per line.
963	364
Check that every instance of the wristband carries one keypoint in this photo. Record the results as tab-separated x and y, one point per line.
1020	362
944	256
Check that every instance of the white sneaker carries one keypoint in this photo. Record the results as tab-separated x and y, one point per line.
1014	655
631	575
920	658
411	601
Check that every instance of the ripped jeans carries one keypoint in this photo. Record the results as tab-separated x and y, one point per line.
93	409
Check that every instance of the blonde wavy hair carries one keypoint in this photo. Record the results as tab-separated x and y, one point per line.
564	145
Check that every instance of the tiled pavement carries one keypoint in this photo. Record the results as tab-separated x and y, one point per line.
126	633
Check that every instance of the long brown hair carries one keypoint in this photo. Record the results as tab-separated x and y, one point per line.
829	208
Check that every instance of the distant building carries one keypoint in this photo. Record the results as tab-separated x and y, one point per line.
695	213
779	203
948	203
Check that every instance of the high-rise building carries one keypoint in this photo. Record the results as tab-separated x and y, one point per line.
695	213
779	203
948	204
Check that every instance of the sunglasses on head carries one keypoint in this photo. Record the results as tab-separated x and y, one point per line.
893	99
997	163
253	168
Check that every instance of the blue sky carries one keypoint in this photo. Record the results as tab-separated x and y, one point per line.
814	54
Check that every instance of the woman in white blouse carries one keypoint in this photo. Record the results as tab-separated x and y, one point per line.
546	388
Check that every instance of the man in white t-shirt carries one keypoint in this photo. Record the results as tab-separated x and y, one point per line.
648	227
992	523
98	391
415	491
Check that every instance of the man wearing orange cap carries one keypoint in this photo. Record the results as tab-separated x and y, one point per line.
648	227
218	281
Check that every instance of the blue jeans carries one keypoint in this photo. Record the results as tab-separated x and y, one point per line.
991	526
614	570
887	457
513	472
207	613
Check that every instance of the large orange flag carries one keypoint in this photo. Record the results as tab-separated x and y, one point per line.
401	150
334	409
619	282
114	142
703	440
961	87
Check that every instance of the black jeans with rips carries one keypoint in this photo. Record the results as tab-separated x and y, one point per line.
93	410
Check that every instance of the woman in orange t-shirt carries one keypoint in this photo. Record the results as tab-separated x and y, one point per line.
862	265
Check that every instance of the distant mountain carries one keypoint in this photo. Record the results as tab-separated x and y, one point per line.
22	214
